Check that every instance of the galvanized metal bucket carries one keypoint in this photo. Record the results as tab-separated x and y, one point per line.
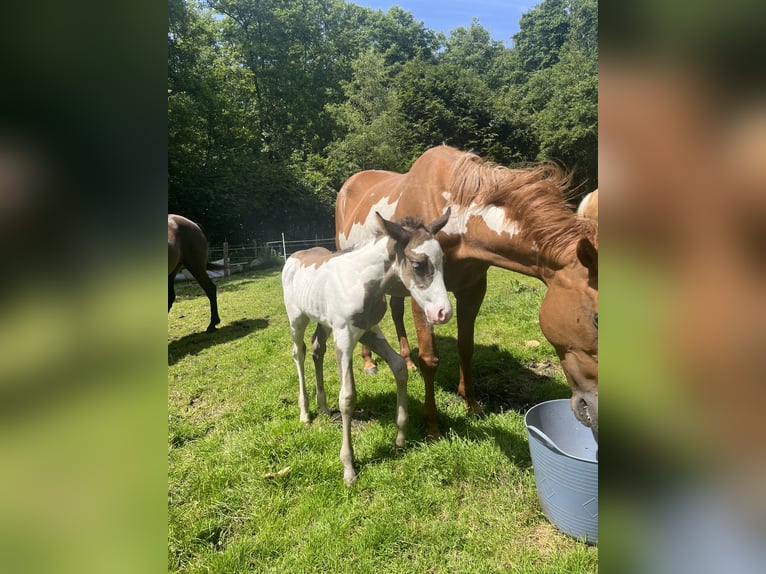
565	460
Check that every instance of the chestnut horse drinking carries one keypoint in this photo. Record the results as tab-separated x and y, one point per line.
187	247
346	292
516	219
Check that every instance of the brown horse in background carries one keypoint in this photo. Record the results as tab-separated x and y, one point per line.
516	219
187	247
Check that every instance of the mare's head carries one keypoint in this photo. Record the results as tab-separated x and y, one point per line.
558	247
418	261
569	320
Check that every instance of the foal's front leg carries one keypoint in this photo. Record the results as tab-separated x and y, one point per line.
345	342
375	339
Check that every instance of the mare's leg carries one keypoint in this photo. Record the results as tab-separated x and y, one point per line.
318	349
171	289
468	304
198	270
344	348
298	326
397	314
429	361
377	342
369	365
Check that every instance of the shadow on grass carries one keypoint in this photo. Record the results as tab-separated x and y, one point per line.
501	381
470	427
193	343
502	384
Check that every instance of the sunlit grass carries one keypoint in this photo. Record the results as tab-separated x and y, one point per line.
251	489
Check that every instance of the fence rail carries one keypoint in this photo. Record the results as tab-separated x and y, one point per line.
286	248
237	258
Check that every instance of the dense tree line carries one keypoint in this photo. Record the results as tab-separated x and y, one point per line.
273	104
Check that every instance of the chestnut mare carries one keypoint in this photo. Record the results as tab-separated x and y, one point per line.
187	247
516	219
346	292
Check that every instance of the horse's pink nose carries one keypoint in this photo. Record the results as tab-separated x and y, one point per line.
441	315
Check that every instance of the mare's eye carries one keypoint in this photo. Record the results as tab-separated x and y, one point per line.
595	320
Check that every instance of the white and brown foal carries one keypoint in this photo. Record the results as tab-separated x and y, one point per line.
344	292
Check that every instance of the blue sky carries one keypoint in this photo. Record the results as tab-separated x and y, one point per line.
499	17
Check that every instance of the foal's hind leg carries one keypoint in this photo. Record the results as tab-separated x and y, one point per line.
200	274
318	349
375	339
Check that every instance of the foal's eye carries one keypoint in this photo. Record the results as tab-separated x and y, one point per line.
595	320
416	265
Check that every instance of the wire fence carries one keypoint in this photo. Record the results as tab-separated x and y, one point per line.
228	259
286	248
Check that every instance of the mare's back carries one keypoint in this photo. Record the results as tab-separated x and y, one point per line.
360	192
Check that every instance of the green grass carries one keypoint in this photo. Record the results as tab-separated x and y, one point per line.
464	504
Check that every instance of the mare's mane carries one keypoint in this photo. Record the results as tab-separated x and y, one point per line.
534	196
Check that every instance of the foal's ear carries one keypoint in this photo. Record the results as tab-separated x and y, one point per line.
588	255
392	229
437	224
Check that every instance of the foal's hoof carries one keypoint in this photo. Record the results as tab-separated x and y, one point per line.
349	477
411	366
371	370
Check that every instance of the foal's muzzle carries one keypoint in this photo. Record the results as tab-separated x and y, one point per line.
437	315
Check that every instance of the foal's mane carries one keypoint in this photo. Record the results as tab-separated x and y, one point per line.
534	195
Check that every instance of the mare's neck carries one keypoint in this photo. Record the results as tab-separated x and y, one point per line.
490	235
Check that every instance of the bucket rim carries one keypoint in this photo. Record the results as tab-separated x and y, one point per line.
545	439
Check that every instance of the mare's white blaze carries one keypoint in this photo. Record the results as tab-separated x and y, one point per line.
494	218
360	232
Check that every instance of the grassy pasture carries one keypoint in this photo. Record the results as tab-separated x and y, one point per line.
251	489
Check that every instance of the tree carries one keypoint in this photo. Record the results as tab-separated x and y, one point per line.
542	32
272	104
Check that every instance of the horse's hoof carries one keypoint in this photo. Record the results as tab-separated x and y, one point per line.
349	477
474	408
211	329
411	365
371	370
434	436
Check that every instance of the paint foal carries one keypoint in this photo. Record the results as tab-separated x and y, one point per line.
516	219
344	292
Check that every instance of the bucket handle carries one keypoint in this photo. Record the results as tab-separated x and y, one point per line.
545	439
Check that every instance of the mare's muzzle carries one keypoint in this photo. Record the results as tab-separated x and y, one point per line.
585	408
